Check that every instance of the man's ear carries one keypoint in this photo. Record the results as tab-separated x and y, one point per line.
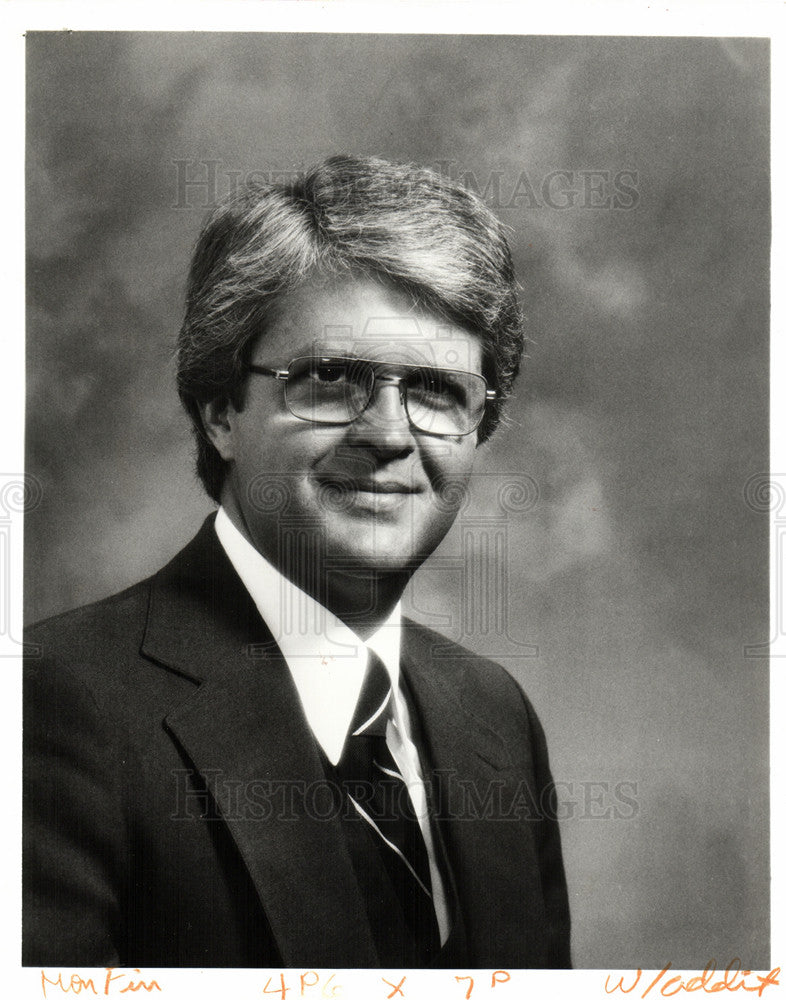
217	423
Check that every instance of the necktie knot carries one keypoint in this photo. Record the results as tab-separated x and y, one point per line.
374	705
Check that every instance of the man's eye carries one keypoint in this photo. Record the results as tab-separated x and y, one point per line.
439	387
328	373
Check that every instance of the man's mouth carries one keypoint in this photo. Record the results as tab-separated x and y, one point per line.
367	494
382	486
348	485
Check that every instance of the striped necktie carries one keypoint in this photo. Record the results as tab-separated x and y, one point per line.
377	792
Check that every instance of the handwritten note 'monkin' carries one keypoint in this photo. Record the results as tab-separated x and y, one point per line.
111	983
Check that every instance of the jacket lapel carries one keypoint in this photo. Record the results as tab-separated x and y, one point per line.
493	866
245	732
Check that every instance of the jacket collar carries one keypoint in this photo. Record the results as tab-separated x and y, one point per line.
453	722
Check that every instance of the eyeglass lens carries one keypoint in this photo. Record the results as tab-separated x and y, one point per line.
337	390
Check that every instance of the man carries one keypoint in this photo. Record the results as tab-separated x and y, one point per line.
249	759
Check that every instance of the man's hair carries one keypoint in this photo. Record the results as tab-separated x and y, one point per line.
352	217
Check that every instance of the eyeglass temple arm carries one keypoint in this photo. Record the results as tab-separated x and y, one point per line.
279	373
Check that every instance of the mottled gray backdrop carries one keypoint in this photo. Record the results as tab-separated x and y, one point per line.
632	572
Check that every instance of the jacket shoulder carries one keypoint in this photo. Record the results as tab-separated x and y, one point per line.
479	676
118	620
99	623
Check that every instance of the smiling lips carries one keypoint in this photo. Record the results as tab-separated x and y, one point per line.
348	484
375	486
375	494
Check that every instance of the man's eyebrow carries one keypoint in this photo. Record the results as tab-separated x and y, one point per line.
326	351
309	350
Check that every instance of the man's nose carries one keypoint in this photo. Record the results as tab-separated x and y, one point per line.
385	418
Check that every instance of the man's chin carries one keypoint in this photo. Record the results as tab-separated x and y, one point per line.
368	563
376	546
371	549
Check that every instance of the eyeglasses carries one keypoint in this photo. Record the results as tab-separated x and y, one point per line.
336	390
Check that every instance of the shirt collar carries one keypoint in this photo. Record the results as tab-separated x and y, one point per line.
326	658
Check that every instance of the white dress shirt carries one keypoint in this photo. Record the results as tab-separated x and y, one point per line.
327	661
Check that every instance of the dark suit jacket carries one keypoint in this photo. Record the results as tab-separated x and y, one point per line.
154	721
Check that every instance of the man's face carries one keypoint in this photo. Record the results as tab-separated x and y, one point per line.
370	494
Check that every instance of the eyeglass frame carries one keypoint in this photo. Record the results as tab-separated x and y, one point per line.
283	374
